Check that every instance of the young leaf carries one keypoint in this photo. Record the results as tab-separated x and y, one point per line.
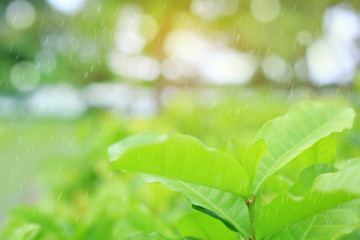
289	135
179	157
201	226
248	157
328	191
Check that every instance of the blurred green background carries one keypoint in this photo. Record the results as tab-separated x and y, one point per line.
77	76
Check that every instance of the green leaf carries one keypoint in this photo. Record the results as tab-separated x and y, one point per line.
274	185
45	220
307	177
328	191
179	157
355	235
346	180
230	207
216	216
25	232
248	157
201	226
289	135
324	226
323	151
152	236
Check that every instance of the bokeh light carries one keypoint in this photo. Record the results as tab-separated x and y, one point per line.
175	69
333	59
265	10
186	45
45	61
228	66
59	101
24	76
129	42
138	67
277	69
304	37
67	6
329	64
211	9
88	50
20	14
342	23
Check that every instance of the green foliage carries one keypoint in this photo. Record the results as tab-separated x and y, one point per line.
225	206
288	136
327	225
248	157
81	198
179	157
286	208
249	189
26	232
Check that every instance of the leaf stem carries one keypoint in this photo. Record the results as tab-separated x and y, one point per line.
250	203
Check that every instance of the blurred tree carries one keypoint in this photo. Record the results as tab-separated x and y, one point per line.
74	47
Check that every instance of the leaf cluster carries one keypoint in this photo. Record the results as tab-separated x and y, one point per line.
285	185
